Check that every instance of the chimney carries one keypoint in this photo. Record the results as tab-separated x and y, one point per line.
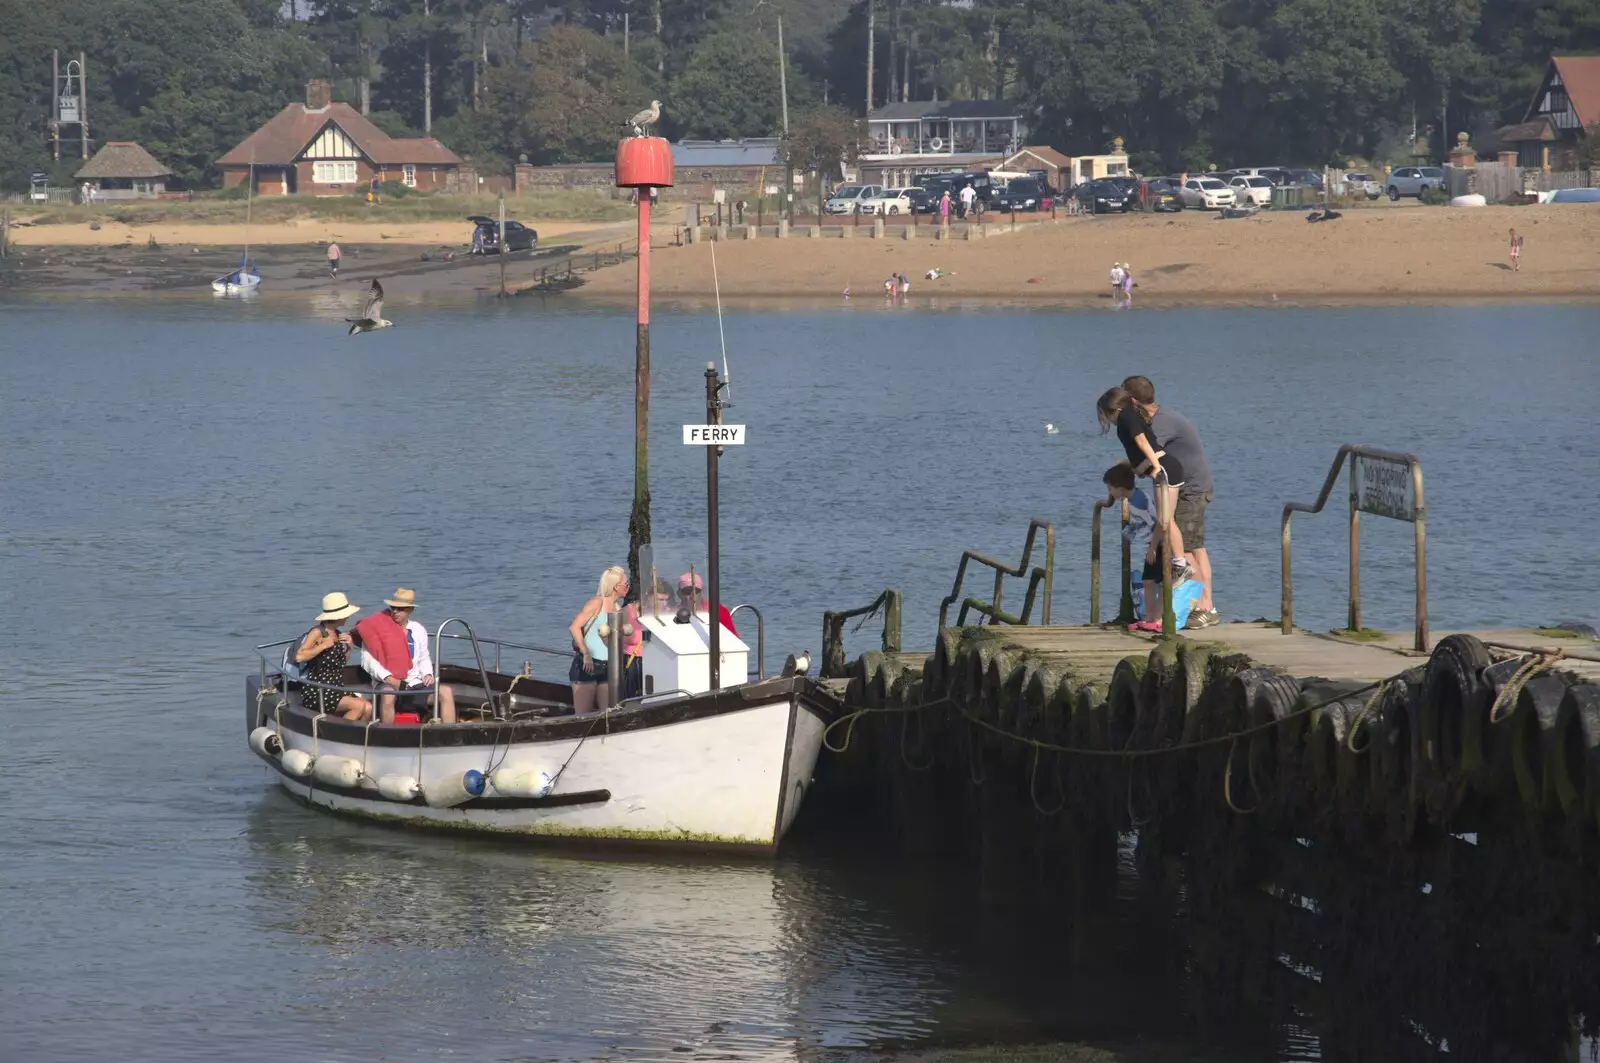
319	93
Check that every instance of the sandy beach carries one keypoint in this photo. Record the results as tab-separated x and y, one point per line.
1381	253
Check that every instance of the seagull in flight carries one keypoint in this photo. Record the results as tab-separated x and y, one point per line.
645	118
372	317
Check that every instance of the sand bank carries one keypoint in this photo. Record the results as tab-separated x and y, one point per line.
1372	254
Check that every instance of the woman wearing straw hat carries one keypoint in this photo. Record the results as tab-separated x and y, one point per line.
323	652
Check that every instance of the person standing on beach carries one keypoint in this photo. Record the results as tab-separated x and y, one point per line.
944	207
334	255
968	196
1116	280
1516	252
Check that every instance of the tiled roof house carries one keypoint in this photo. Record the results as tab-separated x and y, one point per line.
324	148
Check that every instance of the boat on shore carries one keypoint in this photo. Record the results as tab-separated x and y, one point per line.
687	765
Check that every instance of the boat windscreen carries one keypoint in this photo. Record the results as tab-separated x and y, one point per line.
669	567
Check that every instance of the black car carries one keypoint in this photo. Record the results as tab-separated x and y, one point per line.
925	200
486	236
1022	193
1105	197
1164	195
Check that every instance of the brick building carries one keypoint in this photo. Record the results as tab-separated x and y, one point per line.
322	148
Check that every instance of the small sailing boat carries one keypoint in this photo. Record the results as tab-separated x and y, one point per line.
247	278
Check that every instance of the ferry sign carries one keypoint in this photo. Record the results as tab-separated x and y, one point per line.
1383	486
713	435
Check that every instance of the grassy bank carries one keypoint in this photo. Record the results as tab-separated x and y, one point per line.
563	204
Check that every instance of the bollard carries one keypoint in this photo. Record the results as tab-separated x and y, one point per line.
783	228
877	228
908	233
750	232
816	232
848	231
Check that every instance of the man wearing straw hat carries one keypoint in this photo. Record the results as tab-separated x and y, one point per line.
394	651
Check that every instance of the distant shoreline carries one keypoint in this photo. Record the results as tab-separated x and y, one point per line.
1379	256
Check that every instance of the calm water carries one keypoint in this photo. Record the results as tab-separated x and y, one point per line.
181	481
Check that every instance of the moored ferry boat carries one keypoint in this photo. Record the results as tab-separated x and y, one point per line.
682	763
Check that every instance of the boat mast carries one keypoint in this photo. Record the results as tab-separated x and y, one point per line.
249	197
713	549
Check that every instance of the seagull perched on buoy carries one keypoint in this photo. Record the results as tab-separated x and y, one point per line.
372	317
645	119
1051	430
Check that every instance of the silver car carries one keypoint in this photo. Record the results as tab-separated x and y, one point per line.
847	199
1363	184
1413	180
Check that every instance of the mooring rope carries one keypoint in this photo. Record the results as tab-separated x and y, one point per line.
1537	662
1033	789
1355	727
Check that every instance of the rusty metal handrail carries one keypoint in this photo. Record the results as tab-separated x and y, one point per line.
1417	517
833	659
1125	606
1044	574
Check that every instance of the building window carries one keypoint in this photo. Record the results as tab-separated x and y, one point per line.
333	173
408	176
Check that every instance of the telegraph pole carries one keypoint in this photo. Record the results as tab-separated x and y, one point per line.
783	89
55	101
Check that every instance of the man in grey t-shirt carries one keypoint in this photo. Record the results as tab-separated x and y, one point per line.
1177	435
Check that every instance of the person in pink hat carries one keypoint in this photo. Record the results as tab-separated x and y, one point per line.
690	592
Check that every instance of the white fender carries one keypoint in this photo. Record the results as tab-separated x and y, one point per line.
445	792
296	762
265	740
336	771
398	787
521	782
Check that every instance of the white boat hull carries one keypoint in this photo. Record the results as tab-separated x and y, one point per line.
226	287
735	777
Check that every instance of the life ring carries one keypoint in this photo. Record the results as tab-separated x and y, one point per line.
937	143
894	147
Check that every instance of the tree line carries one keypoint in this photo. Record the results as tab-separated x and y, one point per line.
1186	83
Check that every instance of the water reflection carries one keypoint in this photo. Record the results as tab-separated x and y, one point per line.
652	957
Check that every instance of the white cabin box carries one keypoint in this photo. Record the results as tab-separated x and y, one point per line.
677	657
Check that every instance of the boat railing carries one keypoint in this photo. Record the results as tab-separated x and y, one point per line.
504	644
495	706
761	638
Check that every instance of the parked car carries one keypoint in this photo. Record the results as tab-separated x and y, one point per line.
1363	184
1023	193
889	201
1256	189
847	199
1413	180
1207	193
1309	178
1165	195
486	236
1103	197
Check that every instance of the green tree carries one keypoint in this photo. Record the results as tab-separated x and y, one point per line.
728	89
568	98
821	141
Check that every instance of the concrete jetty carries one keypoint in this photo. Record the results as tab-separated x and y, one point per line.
1313	800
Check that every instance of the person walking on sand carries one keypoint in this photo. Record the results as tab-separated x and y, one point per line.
969	196
334	255
1516	252
944	207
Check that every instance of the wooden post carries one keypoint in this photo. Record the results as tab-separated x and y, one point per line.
55	102
83	103
5	231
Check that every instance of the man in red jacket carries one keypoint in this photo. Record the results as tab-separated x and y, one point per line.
690	588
